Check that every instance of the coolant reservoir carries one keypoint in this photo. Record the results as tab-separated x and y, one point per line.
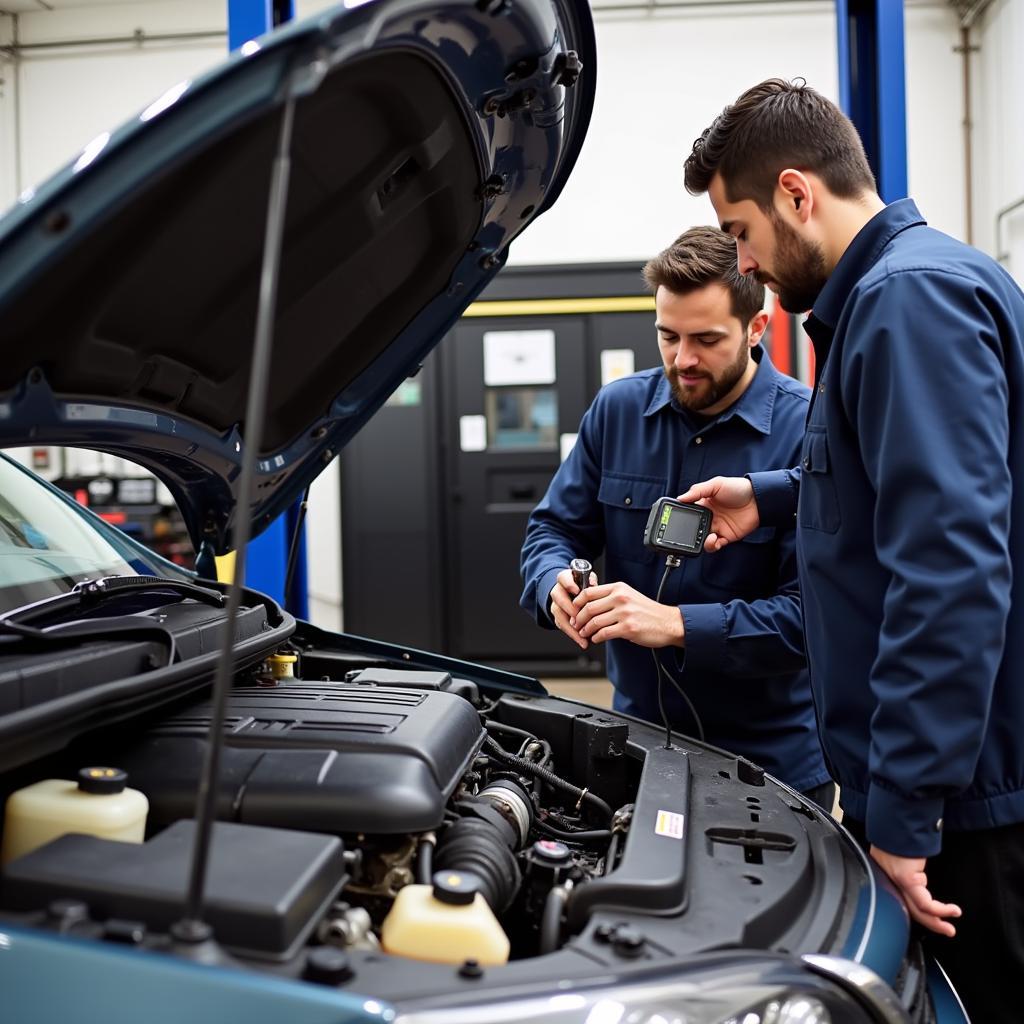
97	804
447	922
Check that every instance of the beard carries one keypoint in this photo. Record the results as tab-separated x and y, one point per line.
711	389
799	272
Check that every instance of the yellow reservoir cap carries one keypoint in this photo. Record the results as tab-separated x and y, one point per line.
46	810
448	923
282	666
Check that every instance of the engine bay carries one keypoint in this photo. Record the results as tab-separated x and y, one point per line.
358	799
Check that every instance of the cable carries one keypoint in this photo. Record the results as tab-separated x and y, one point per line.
671	562
532	768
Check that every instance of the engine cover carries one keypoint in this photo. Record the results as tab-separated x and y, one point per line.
325	756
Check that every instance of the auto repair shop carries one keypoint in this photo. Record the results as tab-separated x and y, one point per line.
442	289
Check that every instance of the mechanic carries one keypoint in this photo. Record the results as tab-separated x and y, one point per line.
908	497
728	631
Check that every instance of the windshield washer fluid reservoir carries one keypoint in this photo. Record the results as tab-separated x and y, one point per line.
98	803
447	922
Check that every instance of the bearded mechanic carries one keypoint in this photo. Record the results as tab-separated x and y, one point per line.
728	629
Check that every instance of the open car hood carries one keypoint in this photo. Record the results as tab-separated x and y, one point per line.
427	135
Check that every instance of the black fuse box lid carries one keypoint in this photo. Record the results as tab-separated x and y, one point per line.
266	887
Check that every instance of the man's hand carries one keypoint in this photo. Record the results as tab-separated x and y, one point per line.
908	875
733	506
617	611
562	609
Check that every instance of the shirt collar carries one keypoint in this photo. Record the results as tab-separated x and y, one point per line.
754	406
861	254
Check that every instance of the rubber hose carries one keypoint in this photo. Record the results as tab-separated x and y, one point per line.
551	920
557	833
477	846
425	863
530	768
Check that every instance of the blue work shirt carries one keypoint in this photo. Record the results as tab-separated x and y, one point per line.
911	533
744	657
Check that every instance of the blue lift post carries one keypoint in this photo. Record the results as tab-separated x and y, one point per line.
872	86
267	558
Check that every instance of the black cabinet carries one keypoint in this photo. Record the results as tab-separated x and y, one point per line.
437	488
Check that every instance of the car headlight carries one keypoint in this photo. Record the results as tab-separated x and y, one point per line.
651	1003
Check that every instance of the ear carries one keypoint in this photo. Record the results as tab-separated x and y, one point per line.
756	327
795	193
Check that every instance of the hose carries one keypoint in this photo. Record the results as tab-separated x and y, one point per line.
574	837
425	861
551	919
527	738
613	849
530	768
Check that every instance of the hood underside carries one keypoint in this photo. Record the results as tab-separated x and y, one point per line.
425	138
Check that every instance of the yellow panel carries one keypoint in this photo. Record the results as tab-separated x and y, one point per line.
226	567
549	307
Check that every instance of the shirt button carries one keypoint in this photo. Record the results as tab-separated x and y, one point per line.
821	388
807	463
700	440
629	501
938	825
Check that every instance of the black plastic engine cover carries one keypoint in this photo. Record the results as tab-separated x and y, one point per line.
330	757
265	891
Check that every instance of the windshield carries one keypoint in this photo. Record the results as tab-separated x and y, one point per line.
47	545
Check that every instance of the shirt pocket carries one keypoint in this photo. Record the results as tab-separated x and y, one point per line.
818	507
626	501
746	569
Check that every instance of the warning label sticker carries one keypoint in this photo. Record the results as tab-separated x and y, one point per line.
669	824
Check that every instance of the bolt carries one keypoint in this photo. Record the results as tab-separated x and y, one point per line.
628	942
471	969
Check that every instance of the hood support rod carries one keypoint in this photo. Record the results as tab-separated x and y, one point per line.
191	928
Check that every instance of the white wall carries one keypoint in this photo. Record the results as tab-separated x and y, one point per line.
998	112
661	78
935	163
55	100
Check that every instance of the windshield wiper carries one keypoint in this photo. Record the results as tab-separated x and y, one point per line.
92	593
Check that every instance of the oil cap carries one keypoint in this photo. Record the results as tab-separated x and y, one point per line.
457	888
102	780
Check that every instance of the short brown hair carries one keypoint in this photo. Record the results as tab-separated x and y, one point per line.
703	256
772	126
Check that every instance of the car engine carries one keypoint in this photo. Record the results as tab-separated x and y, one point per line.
357	799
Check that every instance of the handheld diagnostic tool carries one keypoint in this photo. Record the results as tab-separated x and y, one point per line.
675	528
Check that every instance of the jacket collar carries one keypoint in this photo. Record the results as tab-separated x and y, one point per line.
861	254
754	406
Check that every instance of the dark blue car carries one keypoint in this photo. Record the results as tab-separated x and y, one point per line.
336	829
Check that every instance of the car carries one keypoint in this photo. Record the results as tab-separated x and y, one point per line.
215	811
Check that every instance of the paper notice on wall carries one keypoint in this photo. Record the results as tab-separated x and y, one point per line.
519	357
616	363
472	433
565	444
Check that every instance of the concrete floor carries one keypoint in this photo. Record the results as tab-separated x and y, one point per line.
592	690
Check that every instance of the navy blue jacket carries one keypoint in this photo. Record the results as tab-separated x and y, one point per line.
911	533
744	657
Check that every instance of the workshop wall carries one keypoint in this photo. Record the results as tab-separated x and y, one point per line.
662	76
998	115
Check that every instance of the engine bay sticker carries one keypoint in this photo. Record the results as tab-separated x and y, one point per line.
669	824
